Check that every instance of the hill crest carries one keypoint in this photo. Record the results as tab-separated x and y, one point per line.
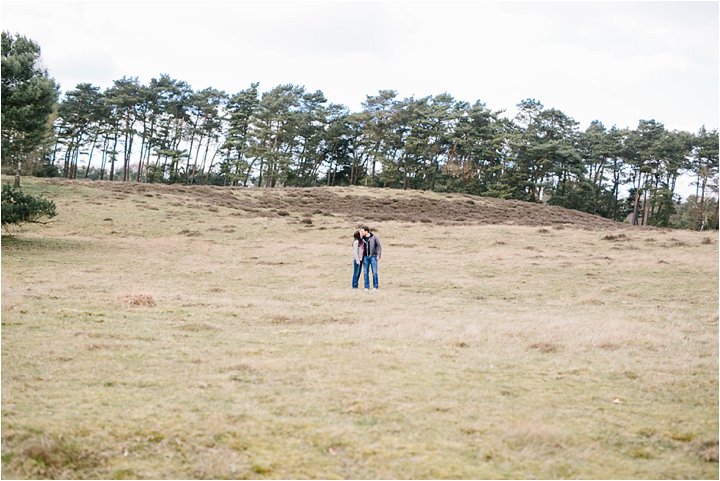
359	204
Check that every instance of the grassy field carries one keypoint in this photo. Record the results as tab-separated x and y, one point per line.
169	332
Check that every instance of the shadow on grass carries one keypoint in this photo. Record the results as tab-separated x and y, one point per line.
15	244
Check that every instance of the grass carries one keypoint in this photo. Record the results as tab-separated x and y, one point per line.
167	332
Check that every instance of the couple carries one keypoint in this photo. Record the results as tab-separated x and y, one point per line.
366	252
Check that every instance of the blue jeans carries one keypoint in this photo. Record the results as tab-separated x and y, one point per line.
367	262
357	268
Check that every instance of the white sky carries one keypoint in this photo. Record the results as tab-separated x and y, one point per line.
617	62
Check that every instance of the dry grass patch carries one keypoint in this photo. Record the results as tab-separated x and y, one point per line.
197	327
292	320
138	300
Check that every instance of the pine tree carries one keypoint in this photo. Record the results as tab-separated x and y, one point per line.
28	99
19	208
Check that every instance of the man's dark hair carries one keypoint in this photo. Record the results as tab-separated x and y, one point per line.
366	228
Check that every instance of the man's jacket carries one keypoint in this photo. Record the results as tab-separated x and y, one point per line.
372	246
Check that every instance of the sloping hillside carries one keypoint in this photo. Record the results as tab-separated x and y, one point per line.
359	204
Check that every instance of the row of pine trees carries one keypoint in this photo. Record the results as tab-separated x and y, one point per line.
168	132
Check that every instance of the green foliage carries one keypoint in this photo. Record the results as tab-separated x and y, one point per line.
577	196
18	207
696	213
664	208
28	99
241	107
44	168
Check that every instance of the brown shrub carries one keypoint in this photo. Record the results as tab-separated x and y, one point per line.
138	300
612	237
609	346
706	450
545	347
54	458
197	327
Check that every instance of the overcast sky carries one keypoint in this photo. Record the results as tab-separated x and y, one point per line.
617	62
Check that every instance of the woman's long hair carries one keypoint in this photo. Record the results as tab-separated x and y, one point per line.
357	235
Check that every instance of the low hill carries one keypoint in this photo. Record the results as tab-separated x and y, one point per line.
358	204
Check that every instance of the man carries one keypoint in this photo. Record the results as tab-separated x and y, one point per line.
373	253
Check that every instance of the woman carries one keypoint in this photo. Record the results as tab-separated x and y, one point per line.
357	256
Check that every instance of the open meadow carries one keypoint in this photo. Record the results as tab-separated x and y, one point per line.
154	331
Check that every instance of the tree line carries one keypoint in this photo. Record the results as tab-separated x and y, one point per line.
165	131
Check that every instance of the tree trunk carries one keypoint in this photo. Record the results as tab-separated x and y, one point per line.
205	155
260	175
113	158
635	207
128	152
74	164
646	207
197	155
372	169
247	173
57	142
212	163
103	161
434	176
66	161
92	149
140	159
353	169
703	215
406	179
189	155
147	151
143	145
17	175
